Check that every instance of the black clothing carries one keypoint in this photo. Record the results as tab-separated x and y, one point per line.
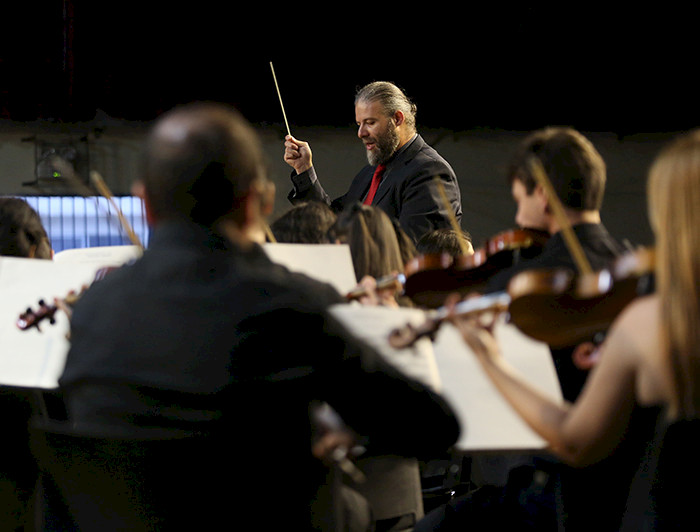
407	192
541	493
600	249
662	496
202	337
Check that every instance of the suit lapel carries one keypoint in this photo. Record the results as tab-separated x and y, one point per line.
394	173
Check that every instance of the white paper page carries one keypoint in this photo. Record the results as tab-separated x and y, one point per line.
329	263
374	324
35	358
101	256
488	421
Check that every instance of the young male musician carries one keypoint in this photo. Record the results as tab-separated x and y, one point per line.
577	175
540	493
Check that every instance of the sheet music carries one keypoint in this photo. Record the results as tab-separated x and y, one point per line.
35	358
489	422
101	256
329	263
373	325
447	364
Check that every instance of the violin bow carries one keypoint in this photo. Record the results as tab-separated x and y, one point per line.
451	214
67	171
104	190
570	239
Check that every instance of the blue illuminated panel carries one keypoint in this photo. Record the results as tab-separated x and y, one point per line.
79	222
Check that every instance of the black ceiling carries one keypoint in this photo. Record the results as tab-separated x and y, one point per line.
512	68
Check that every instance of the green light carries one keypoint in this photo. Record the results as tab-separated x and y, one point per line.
56	173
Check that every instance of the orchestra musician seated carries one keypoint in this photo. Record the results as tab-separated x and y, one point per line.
22	234
188	401
574	173
642	396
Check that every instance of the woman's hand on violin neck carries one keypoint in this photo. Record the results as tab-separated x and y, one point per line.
476	334
376	296
479	338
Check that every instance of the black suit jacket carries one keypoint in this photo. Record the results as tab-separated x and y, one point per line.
407	193
200	337
600	249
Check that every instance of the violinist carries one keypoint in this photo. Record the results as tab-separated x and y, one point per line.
22	234
386	121
577	173
205	343
647	377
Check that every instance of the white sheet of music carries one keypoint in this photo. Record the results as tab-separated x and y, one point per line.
373	325
101	256
35	358
329	263
489	423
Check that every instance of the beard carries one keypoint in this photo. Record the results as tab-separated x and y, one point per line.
385	146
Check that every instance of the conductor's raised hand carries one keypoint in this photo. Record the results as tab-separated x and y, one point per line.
297	154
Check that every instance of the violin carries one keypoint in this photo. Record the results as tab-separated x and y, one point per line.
32	318
562	309
555	305
430	278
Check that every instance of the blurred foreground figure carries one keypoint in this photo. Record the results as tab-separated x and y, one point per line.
187	399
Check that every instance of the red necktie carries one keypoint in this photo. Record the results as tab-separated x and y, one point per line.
376	178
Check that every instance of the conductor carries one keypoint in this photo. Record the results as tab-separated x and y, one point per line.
400	175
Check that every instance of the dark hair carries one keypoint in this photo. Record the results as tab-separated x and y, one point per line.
201	159
369	233
574	167
21	232
444	240
304	223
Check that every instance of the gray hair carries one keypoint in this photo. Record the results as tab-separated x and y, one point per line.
391	98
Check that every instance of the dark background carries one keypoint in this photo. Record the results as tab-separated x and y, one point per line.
502	67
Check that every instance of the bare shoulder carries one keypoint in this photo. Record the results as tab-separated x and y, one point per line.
635	332
635	341
641	315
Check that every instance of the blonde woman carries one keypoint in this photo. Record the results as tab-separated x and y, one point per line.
650	360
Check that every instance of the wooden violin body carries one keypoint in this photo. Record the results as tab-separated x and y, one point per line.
562	309
431	278
554	306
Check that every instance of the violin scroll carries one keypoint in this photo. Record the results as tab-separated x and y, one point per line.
32	318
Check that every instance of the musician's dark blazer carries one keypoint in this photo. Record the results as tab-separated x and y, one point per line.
202	337
407	192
